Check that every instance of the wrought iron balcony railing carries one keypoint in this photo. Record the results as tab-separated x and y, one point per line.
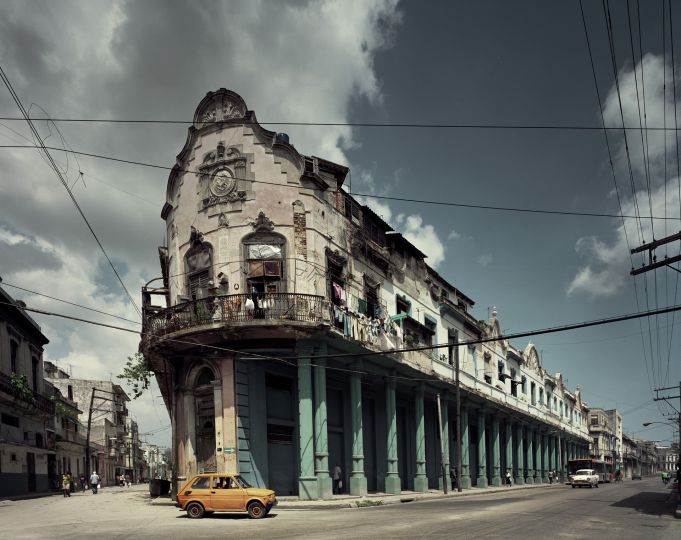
238	308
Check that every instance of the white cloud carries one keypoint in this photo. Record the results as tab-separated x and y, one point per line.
453	235
425	238
486	259
607	264
304	61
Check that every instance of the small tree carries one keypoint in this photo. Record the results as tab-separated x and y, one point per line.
136	374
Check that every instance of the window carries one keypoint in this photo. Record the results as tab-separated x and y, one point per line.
202	482
369	306
533	393
264	255
514	386
13	351
198	267
523	384
453	339
10	420
541	396
500	369
402	305
34	372
353	211
70	392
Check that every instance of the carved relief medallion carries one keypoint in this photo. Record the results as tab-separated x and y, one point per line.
223	183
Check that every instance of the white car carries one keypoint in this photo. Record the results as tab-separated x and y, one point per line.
585	477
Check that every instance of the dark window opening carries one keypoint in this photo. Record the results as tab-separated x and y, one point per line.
70	392
278	434
13	352
402	305
500	368
34	372
205	377
369	306
453	352
10	420
376	234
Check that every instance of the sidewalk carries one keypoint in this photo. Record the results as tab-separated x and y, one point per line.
38	495
379	499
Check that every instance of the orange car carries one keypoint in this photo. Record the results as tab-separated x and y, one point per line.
222	492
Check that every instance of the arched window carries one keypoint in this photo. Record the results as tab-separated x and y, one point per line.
205	377
198	266
264	253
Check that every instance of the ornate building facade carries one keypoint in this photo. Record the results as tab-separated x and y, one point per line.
277	329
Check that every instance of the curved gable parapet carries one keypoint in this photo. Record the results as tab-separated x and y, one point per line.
226	107
532	357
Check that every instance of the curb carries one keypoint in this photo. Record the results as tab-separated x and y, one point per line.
369	501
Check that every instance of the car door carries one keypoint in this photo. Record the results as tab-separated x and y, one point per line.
226	494
199	491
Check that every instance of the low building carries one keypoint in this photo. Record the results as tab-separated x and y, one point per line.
668	457
105	402
27	454
603	435
67	438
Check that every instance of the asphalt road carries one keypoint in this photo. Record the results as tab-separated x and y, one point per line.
640	509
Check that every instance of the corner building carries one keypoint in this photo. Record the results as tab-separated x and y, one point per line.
271	269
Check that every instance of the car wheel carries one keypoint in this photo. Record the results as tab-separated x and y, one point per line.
195	510
256	510
573	487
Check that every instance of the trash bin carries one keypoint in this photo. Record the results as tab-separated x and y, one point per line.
155	488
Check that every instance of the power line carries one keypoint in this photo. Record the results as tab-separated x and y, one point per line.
490	339
367	195
4	283
56	169
422	125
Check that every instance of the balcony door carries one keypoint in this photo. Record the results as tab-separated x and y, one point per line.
205	423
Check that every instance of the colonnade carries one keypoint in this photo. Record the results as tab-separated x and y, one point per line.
522	447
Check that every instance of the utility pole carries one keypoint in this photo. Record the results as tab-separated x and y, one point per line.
666	398
442	443
458	419
89	425
653	263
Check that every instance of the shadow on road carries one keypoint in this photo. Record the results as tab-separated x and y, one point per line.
653	503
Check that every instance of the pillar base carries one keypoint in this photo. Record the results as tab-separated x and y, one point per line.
496	481
545	480
393	484
325	487
529	480
421	484
519	481
358	486
308	488
465	482
482	482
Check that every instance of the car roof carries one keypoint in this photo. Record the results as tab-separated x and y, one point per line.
204	475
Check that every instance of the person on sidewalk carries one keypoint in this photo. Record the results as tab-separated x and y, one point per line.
337	476
550	477
509	481
66	485
94	482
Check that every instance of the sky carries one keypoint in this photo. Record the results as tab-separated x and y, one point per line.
485	63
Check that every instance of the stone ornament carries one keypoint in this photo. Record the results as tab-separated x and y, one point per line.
223	222
263	223
223	183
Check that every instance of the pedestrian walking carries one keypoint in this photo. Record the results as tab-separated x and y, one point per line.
550	477
83	483
337	476
94	482
509	481
66	485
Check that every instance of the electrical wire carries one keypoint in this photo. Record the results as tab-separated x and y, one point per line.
56	169
4	283
423	125
368	195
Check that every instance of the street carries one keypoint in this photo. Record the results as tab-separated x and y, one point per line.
634	509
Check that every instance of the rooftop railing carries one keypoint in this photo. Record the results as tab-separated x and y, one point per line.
238	308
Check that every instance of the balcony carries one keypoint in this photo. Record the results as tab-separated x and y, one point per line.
238	308
30	399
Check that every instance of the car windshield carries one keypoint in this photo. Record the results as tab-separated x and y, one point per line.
243	482
584	472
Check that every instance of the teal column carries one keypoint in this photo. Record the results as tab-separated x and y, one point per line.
444	437
321	446
420	478
358	481
482	450
538	477
496	452
508	450
465	450
529	478
307	481
554	446
545	459
549	448
392	479
520	455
